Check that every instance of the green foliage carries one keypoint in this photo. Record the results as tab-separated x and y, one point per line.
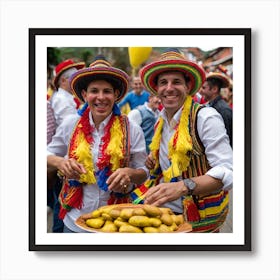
54	56
117	56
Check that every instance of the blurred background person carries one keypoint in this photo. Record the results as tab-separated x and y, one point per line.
137	96
146	116
198	98
227	95
63	104
62	100
210	90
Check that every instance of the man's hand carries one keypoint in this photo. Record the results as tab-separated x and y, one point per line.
164	192
71	169
150	162
119	181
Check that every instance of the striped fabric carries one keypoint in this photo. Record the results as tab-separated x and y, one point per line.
172	61
137	196
212	210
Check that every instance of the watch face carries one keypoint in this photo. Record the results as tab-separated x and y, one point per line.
190	183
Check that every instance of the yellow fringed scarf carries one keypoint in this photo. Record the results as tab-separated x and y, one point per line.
113	147
179	146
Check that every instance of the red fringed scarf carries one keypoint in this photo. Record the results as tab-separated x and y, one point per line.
71	195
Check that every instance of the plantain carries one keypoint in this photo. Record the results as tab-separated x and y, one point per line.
106	217
139	221
96	213
155	222
173	227
95	222
165	210
130	229
151	210
166	219
139	212
150	229
126	213
109	226
120	221
179	219
115	213
164	228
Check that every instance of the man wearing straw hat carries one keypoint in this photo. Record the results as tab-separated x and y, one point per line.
62	101
63	104
191	160
105	153
211	90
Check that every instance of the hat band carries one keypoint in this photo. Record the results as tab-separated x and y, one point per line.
193	73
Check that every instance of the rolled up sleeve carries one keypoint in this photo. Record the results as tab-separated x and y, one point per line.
138	153
212	133
59	144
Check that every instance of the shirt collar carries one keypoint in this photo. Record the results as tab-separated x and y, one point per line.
175	119
102	124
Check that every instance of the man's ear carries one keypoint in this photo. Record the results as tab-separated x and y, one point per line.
188	86
216	88
84	95
117	94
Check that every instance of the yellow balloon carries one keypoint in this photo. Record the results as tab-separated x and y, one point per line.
138	55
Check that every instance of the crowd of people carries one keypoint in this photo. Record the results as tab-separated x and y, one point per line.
172	148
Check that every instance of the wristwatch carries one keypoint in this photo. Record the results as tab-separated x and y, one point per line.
190	185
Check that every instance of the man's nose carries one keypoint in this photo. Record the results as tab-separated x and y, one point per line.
169	86
100	94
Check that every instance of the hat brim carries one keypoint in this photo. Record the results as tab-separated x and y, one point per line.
118	78
225	82
150	72
77	65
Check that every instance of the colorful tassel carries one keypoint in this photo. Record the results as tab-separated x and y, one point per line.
190	210
111	158
102	176
82	109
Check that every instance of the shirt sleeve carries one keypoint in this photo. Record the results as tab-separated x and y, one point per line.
212	133
138	153
51	125
63	107
124	101
59	144
135	116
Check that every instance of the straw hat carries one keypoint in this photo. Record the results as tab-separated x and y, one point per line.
225	81
63	66
172	60
99	69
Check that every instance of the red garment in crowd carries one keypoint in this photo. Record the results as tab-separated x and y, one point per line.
199	99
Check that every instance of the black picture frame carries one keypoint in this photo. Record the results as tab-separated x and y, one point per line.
34	189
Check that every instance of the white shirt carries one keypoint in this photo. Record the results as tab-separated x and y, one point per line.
63	104
93	196
135	115
212	133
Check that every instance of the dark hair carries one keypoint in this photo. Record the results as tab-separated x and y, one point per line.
215	82
186	77
116	84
